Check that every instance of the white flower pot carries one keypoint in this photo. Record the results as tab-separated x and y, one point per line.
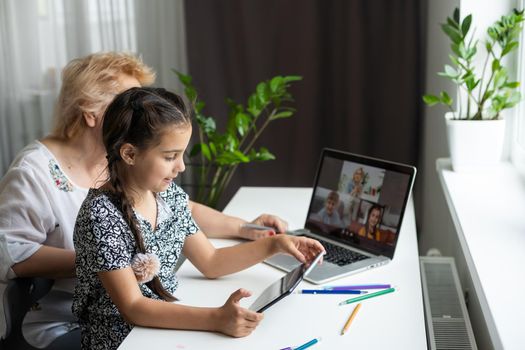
474	144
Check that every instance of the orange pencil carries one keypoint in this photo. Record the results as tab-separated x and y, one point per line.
350	319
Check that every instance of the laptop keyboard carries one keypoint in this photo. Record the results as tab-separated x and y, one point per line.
339	255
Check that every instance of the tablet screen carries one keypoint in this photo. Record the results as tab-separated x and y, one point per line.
283	287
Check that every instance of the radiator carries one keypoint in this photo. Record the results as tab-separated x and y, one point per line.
447	321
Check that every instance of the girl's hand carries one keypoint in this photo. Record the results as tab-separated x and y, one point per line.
302	248
278	224
237	321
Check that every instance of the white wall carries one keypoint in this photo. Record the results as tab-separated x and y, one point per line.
436	225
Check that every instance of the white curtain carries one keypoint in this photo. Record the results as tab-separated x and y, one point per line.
38	37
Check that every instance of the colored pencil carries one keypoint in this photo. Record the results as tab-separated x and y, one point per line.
350	319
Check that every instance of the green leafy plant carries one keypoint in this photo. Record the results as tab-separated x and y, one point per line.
486	94
220	153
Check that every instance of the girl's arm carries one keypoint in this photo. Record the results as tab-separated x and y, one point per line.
139	310
214	263
218	225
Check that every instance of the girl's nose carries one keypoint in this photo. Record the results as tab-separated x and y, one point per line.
180	166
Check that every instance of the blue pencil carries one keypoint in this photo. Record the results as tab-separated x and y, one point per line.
307	345
329	291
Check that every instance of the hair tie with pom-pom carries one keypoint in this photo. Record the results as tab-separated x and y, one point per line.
145	266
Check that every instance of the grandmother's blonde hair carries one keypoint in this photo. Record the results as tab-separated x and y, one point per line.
90	83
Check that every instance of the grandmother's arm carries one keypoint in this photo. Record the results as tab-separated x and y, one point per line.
215	224
48	262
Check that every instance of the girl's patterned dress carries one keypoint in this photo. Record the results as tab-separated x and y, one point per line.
104	242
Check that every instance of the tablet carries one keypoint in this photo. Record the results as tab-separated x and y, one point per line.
283	287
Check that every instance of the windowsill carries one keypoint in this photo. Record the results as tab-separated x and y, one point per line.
488	210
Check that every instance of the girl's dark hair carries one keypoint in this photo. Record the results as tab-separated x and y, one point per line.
139	116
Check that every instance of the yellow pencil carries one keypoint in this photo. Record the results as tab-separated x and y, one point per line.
350	319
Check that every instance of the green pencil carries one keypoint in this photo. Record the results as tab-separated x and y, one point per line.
366	296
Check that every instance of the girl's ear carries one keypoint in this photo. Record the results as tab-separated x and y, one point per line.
128	153
90	119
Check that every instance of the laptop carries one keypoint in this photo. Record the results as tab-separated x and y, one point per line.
356	211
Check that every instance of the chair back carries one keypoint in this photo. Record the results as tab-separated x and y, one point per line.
19	296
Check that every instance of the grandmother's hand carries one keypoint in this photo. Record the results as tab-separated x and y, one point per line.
276	224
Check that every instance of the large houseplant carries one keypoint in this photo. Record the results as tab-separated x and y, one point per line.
217	154
483	92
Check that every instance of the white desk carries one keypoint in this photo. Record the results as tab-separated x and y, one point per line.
487	209
392	321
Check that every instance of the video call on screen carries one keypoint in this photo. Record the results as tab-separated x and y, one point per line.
358	204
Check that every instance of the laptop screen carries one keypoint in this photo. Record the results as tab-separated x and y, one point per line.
360	201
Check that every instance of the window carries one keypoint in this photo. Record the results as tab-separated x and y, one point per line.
518	130
35	44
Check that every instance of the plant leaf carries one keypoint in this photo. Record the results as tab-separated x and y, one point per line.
213	149
488	94
488	46
205	151
183	78
509	47
493	34
199	106
452	33
206	123
498	102
445	98
454	60
453	24
191	93
263	93
431	100
242	123
262	155
456	15
471	83
451	72
462	50
496	65
512	84
455	48
513	99
241	156
465	26
471	52
276	84
500	78
254	106
290	78
232	158
283	114
195	150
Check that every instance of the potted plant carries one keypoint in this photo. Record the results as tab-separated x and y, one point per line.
475	130
218	154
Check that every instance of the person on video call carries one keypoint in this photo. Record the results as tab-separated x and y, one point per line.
42	191
355	186
329	214
355	189
371	228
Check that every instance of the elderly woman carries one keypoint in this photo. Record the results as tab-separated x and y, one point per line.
42	191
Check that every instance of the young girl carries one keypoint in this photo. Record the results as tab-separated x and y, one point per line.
371	228
130	232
